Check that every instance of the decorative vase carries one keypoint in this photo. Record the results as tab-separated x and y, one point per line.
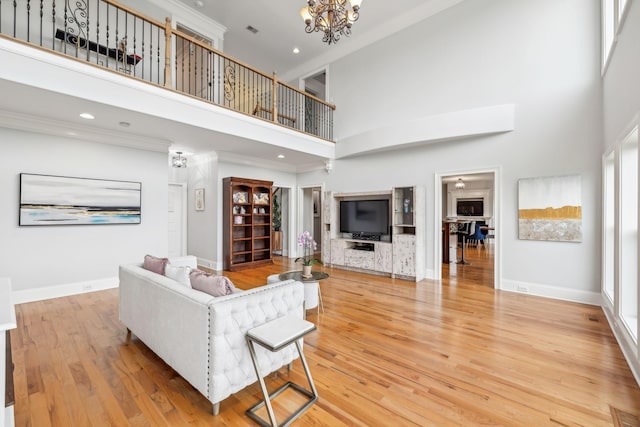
306	271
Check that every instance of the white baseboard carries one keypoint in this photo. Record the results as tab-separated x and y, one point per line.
48	292
9	420
628	347
209	264
565	294
431	274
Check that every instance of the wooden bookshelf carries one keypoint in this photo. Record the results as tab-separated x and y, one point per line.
246	222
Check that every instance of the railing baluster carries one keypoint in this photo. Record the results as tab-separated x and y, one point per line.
107	53
125	42
98	32
53	26
142	49
158	57
15	11
28	21
135	25
274	99
41	18
167	53
117	36
88	32
189	68
150	55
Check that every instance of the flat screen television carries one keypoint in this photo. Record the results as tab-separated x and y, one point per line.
364	217
470	207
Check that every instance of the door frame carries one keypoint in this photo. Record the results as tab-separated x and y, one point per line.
497	220
289	225
325	69
300	213
183	207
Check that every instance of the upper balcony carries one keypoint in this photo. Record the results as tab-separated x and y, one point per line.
111	36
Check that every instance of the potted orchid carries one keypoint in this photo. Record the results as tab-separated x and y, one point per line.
309	246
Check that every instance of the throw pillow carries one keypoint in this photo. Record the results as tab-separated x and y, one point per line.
211	284
178	273
155	264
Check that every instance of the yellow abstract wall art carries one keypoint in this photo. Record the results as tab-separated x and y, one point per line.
550	208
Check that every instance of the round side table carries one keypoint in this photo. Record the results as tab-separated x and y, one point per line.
312	292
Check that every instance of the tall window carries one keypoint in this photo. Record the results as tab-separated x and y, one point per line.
622	5
609	20
609	226
620	245
613	13
628	306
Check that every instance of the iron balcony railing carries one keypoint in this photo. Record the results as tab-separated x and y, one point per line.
111	35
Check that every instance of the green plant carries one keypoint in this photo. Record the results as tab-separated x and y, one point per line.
277	217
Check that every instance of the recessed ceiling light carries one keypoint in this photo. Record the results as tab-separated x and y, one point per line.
125	124
281	156
87	116
199	3
296	50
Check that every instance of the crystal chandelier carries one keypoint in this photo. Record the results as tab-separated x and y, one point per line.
333	17
179	161
460	184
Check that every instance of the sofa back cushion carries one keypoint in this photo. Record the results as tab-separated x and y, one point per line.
155	264
184	261
178	273
211	284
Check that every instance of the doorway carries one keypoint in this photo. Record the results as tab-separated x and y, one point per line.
281	198
193	67
177	217
467	214
310	212
315	84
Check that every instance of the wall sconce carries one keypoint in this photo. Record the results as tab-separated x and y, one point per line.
328	165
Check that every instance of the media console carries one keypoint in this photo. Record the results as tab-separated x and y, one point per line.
399	254
375	257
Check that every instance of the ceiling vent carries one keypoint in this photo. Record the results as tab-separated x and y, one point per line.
252	29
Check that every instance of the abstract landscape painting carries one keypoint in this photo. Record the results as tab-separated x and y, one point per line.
58	200
550	208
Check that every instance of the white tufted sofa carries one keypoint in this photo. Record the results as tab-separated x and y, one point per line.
203	337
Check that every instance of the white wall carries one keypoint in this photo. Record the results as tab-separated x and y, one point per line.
201	232
543	56
42	257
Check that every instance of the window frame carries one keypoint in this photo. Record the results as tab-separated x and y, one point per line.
620	10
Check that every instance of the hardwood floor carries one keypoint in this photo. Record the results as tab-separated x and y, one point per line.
480	269
386	353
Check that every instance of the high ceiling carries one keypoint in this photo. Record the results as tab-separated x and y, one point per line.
280	28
